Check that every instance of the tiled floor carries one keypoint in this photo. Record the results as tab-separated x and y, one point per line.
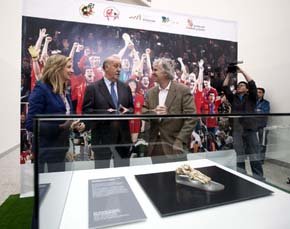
275	174
9	175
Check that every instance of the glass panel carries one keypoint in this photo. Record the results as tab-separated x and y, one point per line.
111	141
54	173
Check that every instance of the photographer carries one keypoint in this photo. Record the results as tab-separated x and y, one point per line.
244	129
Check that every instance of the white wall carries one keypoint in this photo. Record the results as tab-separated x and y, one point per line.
10	41
264	46
264	39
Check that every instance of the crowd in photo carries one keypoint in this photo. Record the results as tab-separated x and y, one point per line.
201	64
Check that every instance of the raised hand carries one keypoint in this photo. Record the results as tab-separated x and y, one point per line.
42	33
34	52
56	33
87	52
48	39
75	45
192	77
200	64
79	48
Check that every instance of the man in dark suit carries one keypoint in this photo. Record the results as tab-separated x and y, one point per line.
107	96
168	138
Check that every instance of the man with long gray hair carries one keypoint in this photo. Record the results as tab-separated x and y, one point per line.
168	138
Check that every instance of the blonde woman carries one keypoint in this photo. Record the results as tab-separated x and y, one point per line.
49	97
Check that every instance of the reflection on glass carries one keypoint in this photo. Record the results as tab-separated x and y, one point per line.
61	152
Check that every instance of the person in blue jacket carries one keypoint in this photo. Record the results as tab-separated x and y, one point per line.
262	107
49	97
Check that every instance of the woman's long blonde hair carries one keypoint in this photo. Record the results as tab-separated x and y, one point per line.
53	73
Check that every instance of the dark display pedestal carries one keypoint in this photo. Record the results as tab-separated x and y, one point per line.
171	198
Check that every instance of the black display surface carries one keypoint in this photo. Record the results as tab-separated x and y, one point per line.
171	198
42	190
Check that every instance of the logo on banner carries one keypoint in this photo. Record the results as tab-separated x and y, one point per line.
111	13
140	17
165	19
87	10
191	25
136	17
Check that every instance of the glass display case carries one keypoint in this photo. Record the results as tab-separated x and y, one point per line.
120	169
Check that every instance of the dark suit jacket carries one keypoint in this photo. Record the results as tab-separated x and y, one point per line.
178	101
98	100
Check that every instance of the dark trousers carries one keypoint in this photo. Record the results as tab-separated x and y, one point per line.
103	156
263	140
246	145
162	152
53	158
52	150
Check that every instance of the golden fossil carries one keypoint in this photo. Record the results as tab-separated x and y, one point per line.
193	174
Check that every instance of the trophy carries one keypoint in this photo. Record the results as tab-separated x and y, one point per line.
127	39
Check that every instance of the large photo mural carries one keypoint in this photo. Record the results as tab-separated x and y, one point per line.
138	36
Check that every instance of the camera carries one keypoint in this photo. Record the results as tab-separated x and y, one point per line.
232	66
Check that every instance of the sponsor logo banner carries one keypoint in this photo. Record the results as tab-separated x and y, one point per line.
131	16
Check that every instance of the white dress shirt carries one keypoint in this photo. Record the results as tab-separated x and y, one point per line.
108	84
163	94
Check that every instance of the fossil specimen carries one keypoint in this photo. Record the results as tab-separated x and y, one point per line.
193	174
